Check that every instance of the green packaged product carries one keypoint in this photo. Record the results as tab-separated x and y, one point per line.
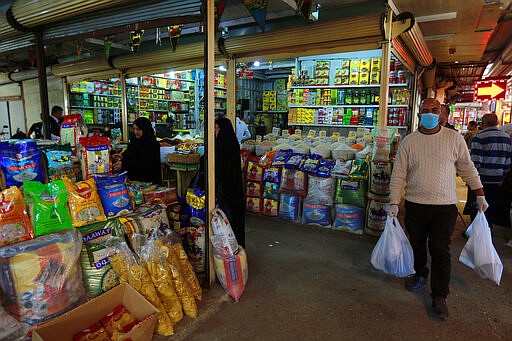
97	248
48	206
352	192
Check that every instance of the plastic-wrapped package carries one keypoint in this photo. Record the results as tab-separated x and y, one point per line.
267	159
351	192
10	328
160	195
294	182
20	161
72	129
270	191
341	168
295	161
359	169
84	202
324	168
310	166
15	225
320	191
113	193
232	273
152	218
41	278
116	323
244	157
348	218
270	207
380	177
253	204
281	157
253	189
272	175
254	171
58	161
289	207
95	156
382	137
130	271
195	231
179	259
315	214
221	226
376	216
47	206
98	246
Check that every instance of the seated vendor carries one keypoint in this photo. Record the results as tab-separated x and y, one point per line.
142	157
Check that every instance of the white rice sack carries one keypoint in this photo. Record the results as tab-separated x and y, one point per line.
321	191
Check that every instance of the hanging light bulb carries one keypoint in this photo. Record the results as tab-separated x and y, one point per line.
256	63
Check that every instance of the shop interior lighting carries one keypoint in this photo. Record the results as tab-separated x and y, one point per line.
222	68
256	63
436	17
315	11
487	70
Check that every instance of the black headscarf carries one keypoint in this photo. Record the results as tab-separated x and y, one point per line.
142	157
228	177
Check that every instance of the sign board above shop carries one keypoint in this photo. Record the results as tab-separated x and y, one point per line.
490	90
245	73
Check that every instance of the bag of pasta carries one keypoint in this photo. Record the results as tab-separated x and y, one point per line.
161	276
84	202
129	270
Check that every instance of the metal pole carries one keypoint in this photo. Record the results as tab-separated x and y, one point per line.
124	109
9	118
209	111
43	86
384	74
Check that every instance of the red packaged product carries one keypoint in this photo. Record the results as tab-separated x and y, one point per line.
94	332
120	320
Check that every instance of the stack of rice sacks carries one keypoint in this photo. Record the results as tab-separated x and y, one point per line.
293	186
379	182
253	186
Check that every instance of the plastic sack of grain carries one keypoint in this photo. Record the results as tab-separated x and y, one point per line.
113	193
293	182
341	168
254	170
351	192
84	202
348	218
289	207
270	207
380	177
343	152
253	204
301	148
281	157
314	214
95	156
323	150
377	212
320	190
20	161
270	191
15	224
232	273
97	248
41	278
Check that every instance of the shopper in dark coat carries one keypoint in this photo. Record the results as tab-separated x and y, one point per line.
142	157
228	177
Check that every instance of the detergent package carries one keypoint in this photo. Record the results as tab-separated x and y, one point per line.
41	278
20	161
48	206
84	202
15	225
95	157
58	161
113	193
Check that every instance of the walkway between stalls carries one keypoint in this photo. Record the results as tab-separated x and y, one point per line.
308	283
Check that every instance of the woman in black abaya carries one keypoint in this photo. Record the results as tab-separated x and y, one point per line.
142	157
228	177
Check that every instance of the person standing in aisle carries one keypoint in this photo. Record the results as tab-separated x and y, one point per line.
228	177
142	157
491	153
443	118
55	121
427	161
242	131
472	131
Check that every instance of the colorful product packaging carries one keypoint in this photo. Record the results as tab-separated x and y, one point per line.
84	202
15	225
20	161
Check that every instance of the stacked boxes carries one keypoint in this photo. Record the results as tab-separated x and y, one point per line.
375	71
269	100
322	73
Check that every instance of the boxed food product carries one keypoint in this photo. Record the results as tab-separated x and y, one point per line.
364	65
66	326
354	78
375	65
364	78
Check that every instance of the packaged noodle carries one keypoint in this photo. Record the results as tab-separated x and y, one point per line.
84	202
95	332
41	278
162	279
20	161
99	243
129	270
95	156
15	225
178	257
47	205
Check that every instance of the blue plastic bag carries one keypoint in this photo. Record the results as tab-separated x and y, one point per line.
393	252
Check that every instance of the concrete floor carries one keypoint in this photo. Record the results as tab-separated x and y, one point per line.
309	283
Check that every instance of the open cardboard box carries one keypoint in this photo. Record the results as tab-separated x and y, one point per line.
63	327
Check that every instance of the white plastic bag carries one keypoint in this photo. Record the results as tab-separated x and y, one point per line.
223	240
479	252
393	252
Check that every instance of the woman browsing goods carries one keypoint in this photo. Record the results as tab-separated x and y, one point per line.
142	157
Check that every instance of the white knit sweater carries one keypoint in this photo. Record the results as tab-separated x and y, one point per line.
428	165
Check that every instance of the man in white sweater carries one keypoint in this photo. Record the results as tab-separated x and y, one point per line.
427	162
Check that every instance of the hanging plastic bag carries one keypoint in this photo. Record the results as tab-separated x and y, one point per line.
222	227
393	252
479	252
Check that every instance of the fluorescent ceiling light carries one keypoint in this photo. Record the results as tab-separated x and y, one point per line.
487	70
440	36
436	17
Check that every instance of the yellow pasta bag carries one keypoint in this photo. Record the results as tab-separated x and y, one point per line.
159	272
179	259
138	277
84	202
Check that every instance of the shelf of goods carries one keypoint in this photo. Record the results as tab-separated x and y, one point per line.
98	102
346	92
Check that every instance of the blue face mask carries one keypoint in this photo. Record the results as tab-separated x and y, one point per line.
429	120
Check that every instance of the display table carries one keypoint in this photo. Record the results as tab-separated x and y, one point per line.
186	166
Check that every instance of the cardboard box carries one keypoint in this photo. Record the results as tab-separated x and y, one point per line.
65	326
